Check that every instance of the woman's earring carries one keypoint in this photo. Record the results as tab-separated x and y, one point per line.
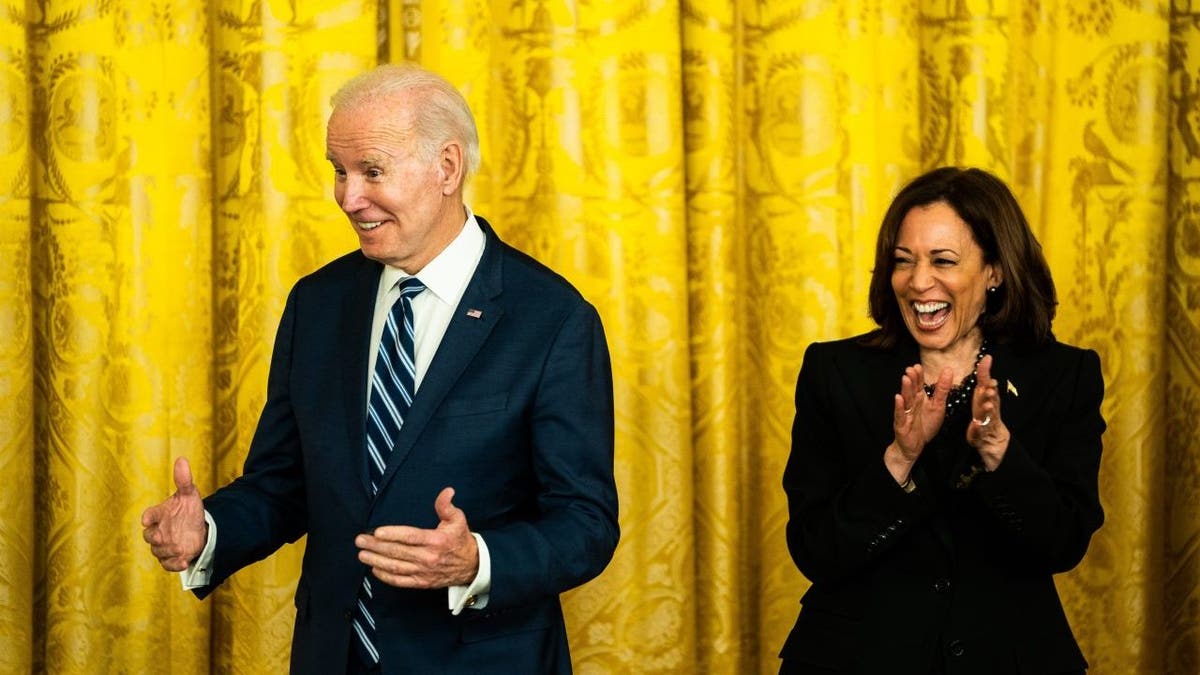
992	289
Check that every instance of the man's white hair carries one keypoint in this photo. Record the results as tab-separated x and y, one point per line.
440	115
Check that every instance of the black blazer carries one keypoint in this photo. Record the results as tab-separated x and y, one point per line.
955	577
515	412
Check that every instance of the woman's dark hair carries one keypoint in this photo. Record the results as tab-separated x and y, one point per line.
1022	308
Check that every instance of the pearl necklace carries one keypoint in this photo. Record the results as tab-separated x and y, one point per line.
962	392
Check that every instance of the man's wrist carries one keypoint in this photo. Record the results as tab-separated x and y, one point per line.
199	571
475	594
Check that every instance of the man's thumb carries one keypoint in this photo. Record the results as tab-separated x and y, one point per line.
183	476
444	505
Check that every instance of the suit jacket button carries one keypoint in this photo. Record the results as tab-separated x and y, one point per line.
348	615
956	648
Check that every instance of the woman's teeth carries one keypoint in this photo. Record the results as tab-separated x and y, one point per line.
931	314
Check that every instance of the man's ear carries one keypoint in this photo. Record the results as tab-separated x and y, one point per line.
451	167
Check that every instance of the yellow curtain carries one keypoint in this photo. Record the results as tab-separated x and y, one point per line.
709	173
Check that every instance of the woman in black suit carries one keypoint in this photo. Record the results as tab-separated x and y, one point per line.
944	466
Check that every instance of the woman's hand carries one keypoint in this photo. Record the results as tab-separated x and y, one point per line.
986	432
916	419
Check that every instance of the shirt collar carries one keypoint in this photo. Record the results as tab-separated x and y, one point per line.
448	273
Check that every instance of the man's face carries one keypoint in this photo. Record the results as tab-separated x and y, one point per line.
404	207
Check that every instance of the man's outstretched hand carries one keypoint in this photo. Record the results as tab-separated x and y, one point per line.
175	529
411	557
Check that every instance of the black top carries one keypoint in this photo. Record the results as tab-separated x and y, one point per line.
956	576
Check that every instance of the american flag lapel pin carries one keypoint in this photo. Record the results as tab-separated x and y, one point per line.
478	314
1012	388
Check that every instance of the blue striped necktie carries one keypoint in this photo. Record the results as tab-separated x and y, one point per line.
392	388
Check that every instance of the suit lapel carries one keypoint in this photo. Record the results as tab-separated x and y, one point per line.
1018	376
474	318
879	372
358	311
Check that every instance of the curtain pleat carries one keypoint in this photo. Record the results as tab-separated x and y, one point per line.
709	173
119	240
1103	226
1181	493
17	533
725	598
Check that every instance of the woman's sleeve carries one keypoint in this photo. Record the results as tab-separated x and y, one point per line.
1052	508
844	508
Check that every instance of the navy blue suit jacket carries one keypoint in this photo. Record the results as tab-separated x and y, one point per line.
956	577
515	412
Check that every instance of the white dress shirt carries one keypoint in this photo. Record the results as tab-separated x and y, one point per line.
445	278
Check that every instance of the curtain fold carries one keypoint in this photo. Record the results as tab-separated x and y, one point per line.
725	599
709	173
17	531
1181	570
119	243
1103	224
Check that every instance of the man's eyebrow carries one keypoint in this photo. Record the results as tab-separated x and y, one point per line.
366	156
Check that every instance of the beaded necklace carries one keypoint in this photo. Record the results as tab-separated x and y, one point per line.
962	392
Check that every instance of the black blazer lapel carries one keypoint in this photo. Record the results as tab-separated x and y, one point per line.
875	379
474	318
358	310
1018	375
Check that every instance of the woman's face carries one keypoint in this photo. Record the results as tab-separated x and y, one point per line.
939	278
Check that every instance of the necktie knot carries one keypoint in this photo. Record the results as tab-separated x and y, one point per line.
411	287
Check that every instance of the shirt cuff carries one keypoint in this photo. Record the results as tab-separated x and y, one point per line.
199	573
475	595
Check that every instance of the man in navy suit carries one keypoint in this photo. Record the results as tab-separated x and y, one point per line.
497	493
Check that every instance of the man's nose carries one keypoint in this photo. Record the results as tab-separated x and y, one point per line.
351	196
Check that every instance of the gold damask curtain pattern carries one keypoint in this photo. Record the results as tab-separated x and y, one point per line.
170	172
709	173
16	354
116	389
